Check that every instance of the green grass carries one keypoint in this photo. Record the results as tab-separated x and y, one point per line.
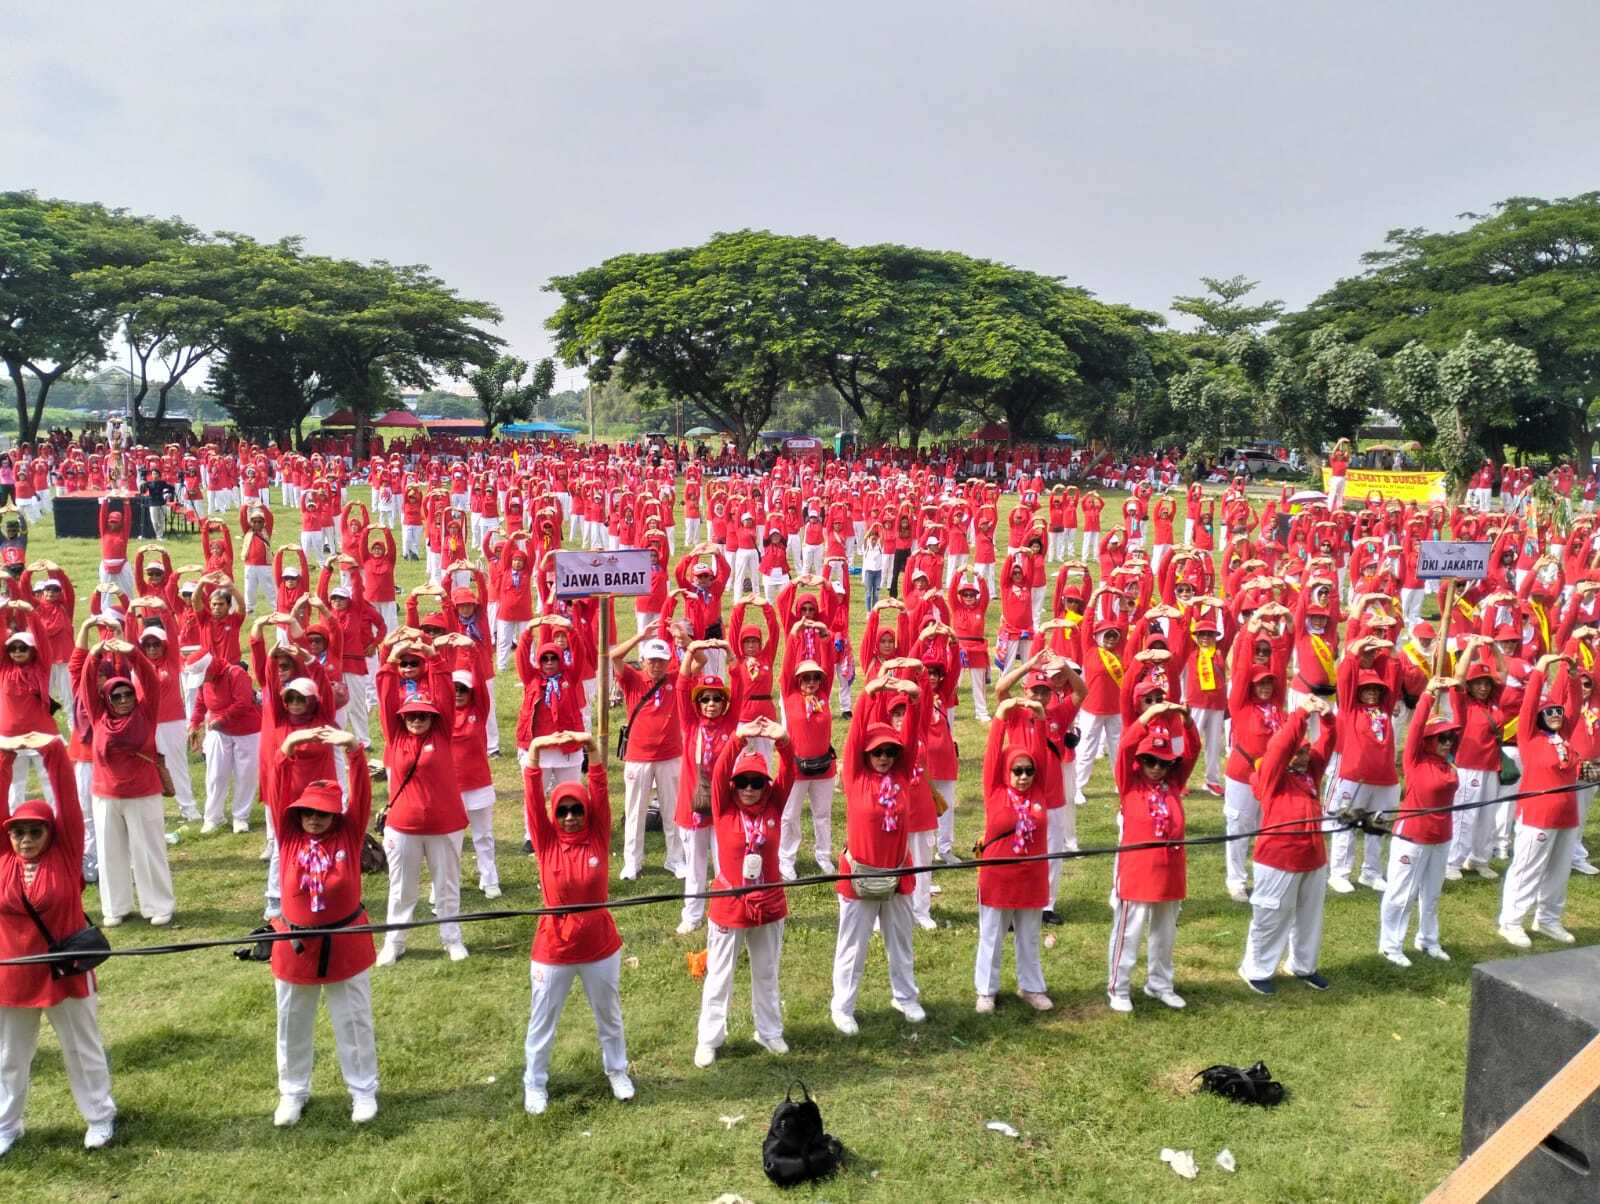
1374	1068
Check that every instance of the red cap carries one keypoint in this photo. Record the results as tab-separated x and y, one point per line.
323	795
707	683
880	735
1161	743
418	704
34	811
751	762
462	596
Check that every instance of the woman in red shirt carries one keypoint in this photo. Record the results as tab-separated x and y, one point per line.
808	661
1154	760
320	832
1291	854
878	762
1421	843
1547	824
126	786
425	817
968	595
747	809
574	850
1366	778
1477	759
41	873
1013	896
707	716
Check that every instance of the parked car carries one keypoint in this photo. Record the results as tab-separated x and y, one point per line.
1255	462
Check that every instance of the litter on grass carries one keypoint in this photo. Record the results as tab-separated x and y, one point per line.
729	1121
1181	1162
1000	1127
1226	1161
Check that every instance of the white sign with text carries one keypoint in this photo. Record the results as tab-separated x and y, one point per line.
1464	560
624	573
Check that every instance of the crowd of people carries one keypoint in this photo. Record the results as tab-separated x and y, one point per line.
1269	653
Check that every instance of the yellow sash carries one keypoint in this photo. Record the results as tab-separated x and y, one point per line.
1205	671
1544	621
1509	731
1587	655
1113	665
1324	657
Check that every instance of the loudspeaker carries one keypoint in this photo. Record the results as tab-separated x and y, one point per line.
1530	1016
77	516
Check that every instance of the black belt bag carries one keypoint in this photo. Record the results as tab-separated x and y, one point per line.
88	945
815	767
326	953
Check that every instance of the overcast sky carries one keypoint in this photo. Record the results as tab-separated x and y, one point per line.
1130	147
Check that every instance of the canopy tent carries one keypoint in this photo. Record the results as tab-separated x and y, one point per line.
773	436
398	418
699	432
461	427
341	417
537	428
992	432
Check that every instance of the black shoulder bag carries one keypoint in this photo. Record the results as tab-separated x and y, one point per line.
88	945
796	1149
374	860
622	732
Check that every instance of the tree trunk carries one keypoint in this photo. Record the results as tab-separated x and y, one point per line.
21	391
363	434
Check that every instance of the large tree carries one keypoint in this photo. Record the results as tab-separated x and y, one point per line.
726	326
501	393
1313	395
1211	396
1528	272
57	312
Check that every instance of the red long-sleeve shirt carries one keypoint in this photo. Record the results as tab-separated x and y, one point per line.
573	868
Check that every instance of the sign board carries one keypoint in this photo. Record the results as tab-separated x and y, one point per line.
1422	487
624	573
1440	558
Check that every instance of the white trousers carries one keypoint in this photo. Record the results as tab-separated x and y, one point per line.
638	777
992	925
230	766
1472	832
355	1039
83	776
857	919
765	943
1098	736
1580	853
133	856
1091	545
258	583
83	1054
358	719
1060	834
1208	722
746	570
411	540
172	744
1285	916
1130	921
1541	862
1363	796
1415	877
1241	812
978	676
699	851
602	983
407	851
919	848
480	822
816	795
506	634
810	559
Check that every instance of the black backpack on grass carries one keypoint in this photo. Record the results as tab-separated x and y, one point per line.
796	1149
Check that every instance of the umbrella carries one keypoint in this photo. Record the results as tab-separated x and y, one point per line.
1066	438
1307	495
1379	447
700	432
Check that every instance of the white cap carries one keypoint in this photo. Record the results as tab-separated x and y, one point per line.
40	585
302	686
656	650
21	637
188	587
291	570
154	632
340	591
462	678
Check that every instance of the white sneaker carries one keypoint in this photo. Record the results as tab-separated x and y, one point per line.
704	1055
1079	800
99	1135
1239	893
927	923
1434	951
1374	881
161	921
685	927
240	826
7	1140
1037	1000
1120	1003
1514	935
1341	886
388	954
628	876
825	866
1399	959
288	1111
680	872
112	921
1486	871
985	1004
911	1011
845	1023
621	1085
1172	999
207	828
534	1101
1585	867
1452	873
457	952
1556	933
935	889
492	892
266	852
773	1045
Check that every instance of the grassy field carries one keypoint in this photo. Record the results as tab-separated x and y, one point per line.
1374	1067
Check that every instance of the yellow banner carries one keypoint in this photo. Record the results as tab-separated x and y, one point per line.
1397	486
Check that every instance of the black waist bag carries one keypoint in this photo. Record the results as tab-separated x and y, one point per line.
796	1149
1253	1086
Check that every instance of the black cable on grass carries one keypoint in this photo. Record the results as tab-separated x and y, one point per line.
1340	823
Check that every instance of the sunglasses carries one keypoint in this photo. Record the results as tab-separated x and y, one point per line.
749	782
888	751
121	695
1022	771
569	811
408	664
